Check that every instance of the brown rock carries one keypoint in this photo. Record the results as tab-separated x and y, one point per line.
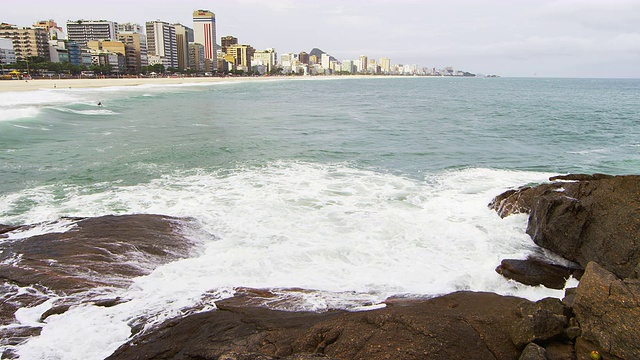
535	272
105	251
590	218
459	325
100	251
608	310
539	322
534	352
560	351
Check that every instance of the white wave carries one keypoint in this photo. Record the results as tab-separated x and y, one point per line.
87	112
18	113
351	237
590	151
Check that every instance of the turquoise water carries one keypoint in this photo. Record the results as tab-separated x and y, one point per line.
351	189
405	126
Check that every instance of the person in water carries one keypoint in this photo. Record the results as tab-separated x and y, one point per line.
99	103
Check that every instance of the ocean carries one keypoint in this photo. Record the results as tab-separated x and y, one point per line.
354	190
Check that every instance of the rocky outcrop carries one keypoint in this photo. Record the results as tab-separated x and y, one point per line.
102	251
583	218
608	311
98	252
460	325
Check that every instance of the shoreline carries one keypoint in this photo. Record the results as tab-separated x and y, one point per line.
50	84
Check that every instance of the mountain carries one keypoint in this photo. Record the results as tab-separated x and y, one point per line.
317	52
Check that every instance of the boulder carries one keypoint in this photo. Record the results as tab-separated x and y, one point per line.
608	310
538	322
460	325
583	218
534	272
533	352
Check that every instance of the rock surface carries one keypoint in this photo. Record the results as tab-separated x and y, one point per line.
460	325
105	251
608	310
583	218
538	322
536	272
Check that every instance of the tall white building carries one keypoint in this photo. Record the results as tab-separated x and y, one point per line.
385	65
83	31
325	61
161	41
204	32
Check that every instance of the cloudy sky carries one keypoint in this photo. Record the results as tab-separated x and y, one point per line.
545	38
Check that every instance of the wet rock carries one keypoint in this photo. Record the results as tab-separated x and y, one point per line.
519	201
99	252
583	218
533	352
7	228
535	272
539	322
103	251
608	311
459	325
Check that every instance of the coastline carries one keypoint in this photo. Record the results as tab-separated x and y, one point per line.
50	84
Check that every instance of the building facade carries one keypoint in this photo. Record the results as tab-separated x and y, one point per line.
242	55
196	57
27	42
183	34
55	31
204	32
83	31
7	54
136	50
161	41
227	41
265	58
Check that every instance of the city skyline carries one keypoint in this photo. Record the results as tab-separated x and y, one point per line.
547	38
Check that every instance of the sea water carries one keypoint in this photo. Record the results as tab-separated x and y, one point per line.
351	189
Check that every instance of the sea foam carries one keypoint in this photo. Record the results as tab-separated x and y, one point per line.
349	237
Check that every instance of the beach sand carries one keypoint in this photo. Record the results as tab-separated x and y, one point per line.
31	85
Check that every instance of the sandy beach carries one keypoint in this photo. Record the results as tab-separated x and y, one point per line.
31	85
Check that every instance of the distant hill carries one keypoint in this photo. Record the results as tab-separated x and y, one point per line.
317	52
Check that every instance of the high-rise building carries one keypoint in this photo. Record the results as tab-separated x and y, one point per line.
136	50
242	55
204	32
55	31
265	58
304	57
227	41
385	65
325	61
196	57
107	52
27	42
183	34
362	68
161	42
83	31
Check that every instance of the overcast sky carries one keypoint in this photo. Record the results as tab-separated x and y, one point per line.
545	38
